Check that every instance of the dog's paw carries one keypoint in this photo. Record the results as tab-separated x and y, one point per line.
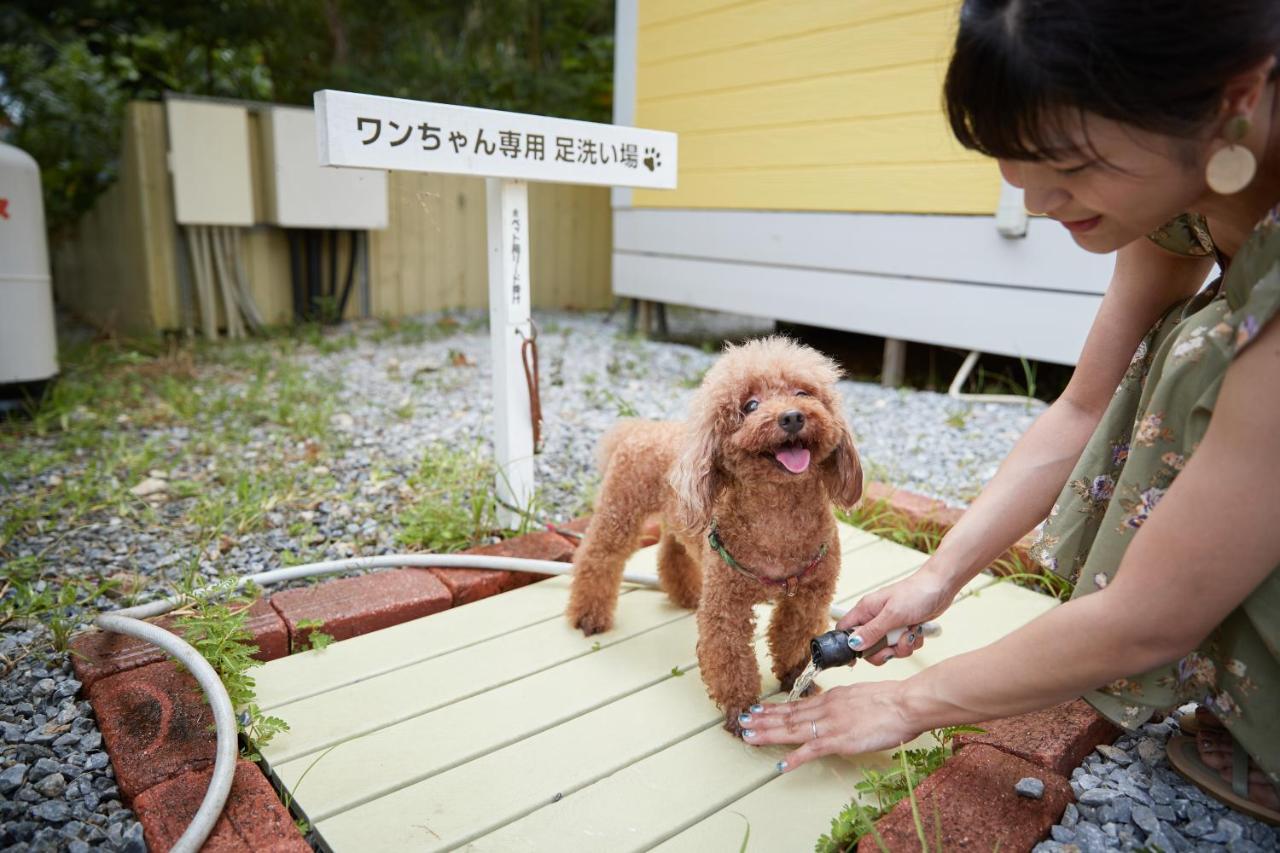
590	620
731	723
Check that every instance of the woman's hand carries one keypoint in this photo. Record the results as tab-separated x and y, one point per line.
846	720
913	600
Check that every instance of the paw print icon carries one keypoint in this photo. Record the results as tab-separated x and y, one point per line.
652	159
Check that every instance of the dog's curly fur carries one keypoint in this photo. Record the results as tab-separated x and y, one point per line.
720	464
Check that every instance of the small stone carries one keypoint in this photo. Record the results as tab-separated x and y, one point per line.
1233	830
1110	830
53	811
12	778
1165	813
1030	787
96	761
43	687
1199	827
1162	794
1088	781
91	741
1091	839
52	786
1062	835
1097	797
78	846
1071	816
1146	819
1150	751
150	486
1119	756
132	839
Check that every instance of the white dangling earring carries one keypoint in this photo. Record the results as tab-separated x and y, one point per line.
1230	169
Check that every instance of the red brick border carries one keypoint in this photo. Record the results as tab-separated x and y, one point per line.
155	729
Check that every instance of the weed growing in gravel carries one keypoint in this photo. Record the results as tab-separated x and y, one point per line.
888	788
28	598
454	505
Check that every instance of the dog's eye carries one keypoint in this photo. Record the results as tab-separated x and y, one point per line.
803	393
750	406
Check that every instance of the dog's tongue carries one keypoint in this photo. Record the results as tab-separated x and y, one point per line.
794	459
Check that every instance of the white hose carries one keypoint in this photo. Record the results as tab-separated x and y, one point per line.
956	384
128	622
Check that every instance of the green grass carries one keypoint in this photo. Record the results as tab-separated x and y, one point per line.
454	505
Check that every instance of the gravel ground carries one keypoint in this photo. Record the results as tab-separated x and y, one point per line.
377	401
1128	797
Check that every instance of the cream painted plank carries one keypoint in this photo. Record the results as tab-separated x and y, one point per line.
481	795
919	188
926	35
309	673
814	101
422	745
739	25
325	719
659	796
893	139
392	758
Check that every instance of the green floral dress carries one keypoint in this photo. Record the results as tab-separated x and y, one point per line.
1154	423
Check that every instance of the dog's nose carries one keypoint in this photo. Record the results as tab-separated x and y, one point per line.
791	422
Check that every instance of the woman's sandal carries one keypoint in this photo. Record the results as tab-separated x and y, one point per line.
1184	756
1199	720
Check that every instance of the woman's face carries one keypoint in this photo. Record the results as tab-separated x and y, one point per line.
1130	184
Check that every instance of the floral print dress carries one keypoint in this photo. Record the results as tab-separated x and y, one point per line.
1155	421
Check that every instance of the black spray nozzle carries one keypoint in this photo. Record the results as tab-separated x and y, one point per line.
831	649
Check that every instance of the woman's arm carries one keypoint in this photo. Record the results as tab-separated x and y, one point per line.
1208	543
1146	281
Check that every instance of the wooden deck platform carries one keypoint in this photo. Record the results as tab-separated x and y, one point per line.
496	727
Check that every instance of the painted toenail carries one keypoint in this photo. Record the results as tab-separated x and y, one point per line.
748	733
756	709
782	765
744	718
855	641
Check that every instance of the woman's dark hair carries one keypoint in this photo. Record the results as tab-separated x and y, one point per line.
1025	71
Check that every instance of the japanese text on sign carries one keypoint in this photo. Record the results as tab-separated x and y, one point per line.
393	133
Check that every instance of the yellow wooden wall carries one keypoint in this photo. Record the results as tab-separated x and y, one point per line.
806	105
434	254
118	266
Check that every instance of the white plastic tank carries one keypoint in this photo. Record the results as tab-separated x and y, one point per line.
28	342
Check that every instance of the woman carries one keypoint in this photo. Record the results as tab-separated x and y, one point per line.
1157	136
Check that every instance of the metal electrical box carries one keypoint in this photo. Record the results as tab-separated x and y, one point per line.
28	341
209	159
300	193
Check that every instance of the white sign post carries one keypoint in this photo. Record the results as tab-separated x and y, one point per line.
508	150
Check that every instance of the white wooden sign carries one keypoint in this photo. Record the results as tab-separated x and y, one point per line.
419	136
508	150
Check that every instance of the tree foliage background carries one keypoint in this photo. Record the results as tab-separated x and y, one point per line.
67	69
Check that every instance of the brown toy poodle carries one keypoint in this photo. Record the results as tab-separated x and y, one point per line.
744	488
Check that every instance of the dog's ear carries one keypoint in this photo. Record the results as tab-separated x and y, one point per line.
842	471
696	475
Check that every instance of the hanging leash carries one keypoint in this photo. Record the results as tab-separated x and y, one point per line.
529	358
789	583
